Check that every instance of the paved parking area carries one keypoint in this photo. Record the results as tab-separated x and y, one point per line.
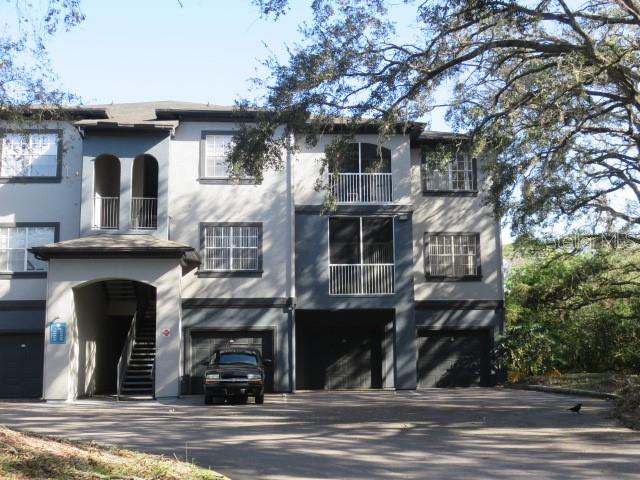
435	434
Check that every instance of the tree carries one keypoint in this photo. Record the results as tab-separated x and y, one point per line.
26	77
548	92
573	309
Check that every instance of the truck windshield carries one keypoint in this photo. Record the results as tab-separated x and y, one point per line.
246	358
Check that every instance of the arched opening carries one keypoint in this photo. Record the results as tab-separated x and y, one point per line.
144	193
116	321
106	193
364	175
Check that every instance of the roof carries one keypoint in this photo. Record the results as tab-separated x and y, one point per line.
125	246
427	135
139	116
165	115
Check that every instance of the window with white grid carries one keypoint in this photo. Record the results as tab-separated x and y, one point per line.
14	245
451	255
29	155
215	160
458	175
231	248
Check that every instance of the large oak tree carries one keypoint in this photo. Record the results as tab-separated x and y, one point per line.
548	91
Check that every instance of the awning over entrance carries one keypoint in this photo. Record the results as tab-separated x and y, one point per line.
118	298
120	246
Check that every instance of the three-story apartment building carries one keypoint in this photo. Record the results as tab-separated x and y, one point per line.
128	255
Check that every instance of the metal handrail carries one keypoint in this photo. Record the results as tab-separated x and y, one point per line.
366	187
125	355
361	279
106	212
153	379
144	213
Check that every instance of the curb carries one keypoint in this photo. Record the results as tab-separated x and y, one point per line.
565	391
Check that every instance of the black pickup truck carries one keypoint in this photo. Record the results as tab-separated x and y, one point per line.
234	373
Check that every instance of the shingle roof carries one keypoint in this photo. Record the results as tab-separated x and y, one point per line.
117	246
166	115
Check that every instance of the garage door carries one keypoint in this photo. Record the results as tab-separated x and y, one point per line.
204	344
21	360
453	358
341	359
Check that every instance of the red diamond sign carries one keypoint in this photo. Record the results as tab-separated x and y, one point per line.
166	332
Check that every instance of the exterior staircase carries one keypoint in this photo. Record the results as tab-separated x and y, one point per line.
138	381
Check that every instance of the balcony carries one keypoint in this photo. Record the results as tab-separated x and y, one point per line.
361	256
106	212
361	279
361	188
144	213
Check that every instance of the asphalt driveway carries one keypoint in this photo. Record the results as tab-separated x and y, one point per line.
435	434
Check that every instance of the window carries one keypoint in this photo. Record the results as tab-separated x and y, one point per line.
34	154
229	358
364	175
458	176
355	240
232	247
14	245
452	255
216	149
361	256
214	169
366	158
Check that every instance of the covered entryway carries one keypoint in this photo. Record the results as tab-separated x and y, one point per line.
203	344
342	350
115	338
95	287
453	358
21	357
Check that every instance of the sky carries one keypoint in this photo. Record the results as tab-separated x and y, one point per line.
188	50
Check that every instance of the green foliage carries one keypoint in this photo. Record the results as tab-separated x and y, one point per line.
573	310
26	76
548	90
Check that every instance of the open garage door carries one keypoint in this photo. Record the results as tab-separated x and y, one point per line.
205	343
453	358
21	357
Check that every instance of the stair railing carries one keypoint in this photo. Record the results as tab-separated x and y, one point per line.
153	379
125	355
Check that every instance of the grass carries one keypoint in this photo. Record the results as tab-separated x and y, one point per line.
627	387
29	456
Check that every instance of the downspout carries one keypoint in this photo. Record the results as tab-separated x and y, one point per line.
290	268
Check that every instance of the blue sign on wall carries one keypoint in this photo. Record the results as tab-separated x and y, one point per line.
58	332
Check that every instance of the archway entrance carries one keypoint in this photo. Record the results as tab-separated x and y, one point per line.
115	338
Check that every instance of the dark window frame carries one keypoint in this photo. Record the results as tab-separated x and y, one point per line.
360	218
202	178
359	151
445	278
472	192
36	179
202	272
56	238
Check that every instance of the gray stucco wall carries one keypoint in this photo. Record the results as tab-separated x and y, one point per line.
46	203
276	319
312	286
454	213
194	201
125	146
462	318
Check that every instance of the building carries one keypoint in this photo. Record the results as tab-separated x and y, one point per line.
128	255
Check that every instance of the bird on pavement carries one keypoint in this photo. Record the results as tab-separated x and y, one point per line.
576	408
